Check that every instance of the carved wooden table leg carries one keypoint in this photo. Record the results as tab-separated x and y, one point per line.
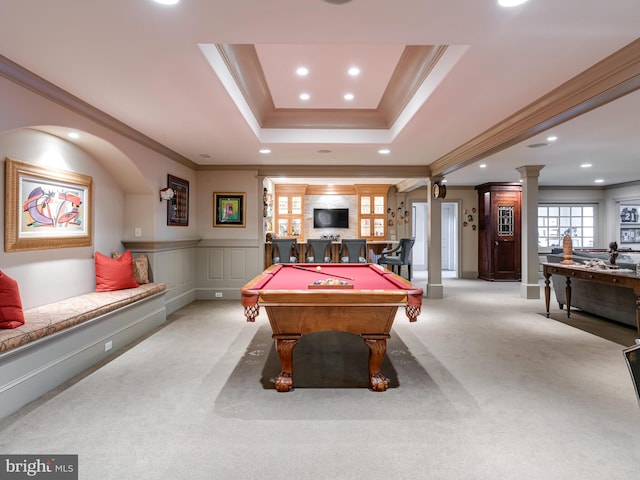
638	312
284	346
567	294
547	291
377	348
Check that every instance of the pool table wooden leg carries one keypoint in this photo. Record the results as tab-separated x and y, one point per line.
284	346
377	348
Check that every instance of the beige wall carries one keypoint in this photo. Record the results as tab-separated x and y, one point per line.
195	261
48	275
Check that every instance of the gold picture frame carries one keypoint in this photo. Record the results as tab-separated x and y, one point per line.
46	208
228	209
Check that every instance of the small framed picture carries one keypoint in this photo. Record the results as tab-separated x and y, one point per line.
178	206
630	235
629	214
228	209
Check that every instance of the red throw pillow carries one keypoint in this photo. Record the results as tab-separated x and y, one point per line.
114	274
11	314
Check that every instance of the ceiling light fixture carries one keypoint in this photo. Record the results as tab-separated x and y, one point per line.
74	135
599	180
167	2
348	96
483	165
585	165
354	71
302	71
510	3
551	138
384	151
265	150
305	96
336	2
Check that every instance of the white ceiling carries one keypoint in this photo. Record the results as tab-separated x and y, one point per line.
145	65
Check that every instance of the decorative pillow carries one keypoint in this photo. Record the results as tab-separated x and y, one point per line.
114	274
141	269
11	314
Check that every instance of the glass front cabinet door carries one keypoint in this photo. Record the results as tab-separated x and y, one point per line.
372	208
290	210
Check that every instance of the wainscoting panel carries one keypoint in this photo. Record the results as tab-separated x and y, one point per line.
215	263
238	264
174	263
224	266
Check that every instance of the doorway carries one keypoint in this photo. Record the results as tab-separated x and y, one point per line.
450	238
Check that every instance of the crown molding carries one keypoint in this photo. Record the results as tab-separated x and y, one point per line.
414	66
29	80
611	78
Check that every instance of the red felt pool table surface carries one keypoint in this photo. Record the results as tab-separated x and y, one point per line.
361	276
294	308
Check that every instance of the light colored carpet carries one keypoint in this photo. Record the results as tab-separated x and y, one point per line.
486	387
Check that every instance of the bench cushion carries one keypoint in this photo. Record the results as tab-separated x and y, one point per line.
47	319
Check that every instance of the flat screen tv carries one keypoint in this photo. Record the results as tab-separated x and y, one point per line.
330	218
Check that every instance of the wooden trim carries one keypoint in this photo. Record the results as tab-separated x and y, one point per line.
414	66
607	80
331	190
26	79
158	246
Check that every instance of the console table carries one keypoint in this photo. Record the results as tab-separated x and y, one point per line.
614	278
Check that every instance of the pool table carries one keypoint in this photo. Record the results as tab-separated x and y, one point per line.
304	298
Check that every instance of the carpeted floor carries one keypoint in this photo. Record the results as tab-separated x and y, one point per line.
484	386
329	367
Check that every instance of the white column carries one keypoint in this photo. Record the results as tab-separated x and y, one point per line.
530	287
435	288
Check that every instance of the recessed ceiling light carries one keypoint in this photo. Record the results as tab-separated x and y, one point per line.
74	135
305	96
444	180
599	180
265	150
384	151
551	138
324	151
302	71
510	3
167	2
483	165
348	96
354	71
205	155
586	165
337	2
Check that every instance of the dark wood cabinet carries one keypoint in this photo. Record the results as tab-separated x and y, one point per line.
499	227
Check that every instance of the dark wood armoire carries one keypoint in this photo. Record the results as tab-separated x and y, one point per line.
499	227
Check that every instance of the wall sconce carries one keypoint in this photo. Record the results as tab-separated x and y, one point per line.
166	194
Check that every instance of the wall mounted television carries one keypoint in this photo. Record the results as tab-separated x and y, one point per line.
330	218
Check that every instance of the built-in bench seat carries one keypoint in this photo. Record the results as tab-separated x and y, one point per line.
62	339
46	320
